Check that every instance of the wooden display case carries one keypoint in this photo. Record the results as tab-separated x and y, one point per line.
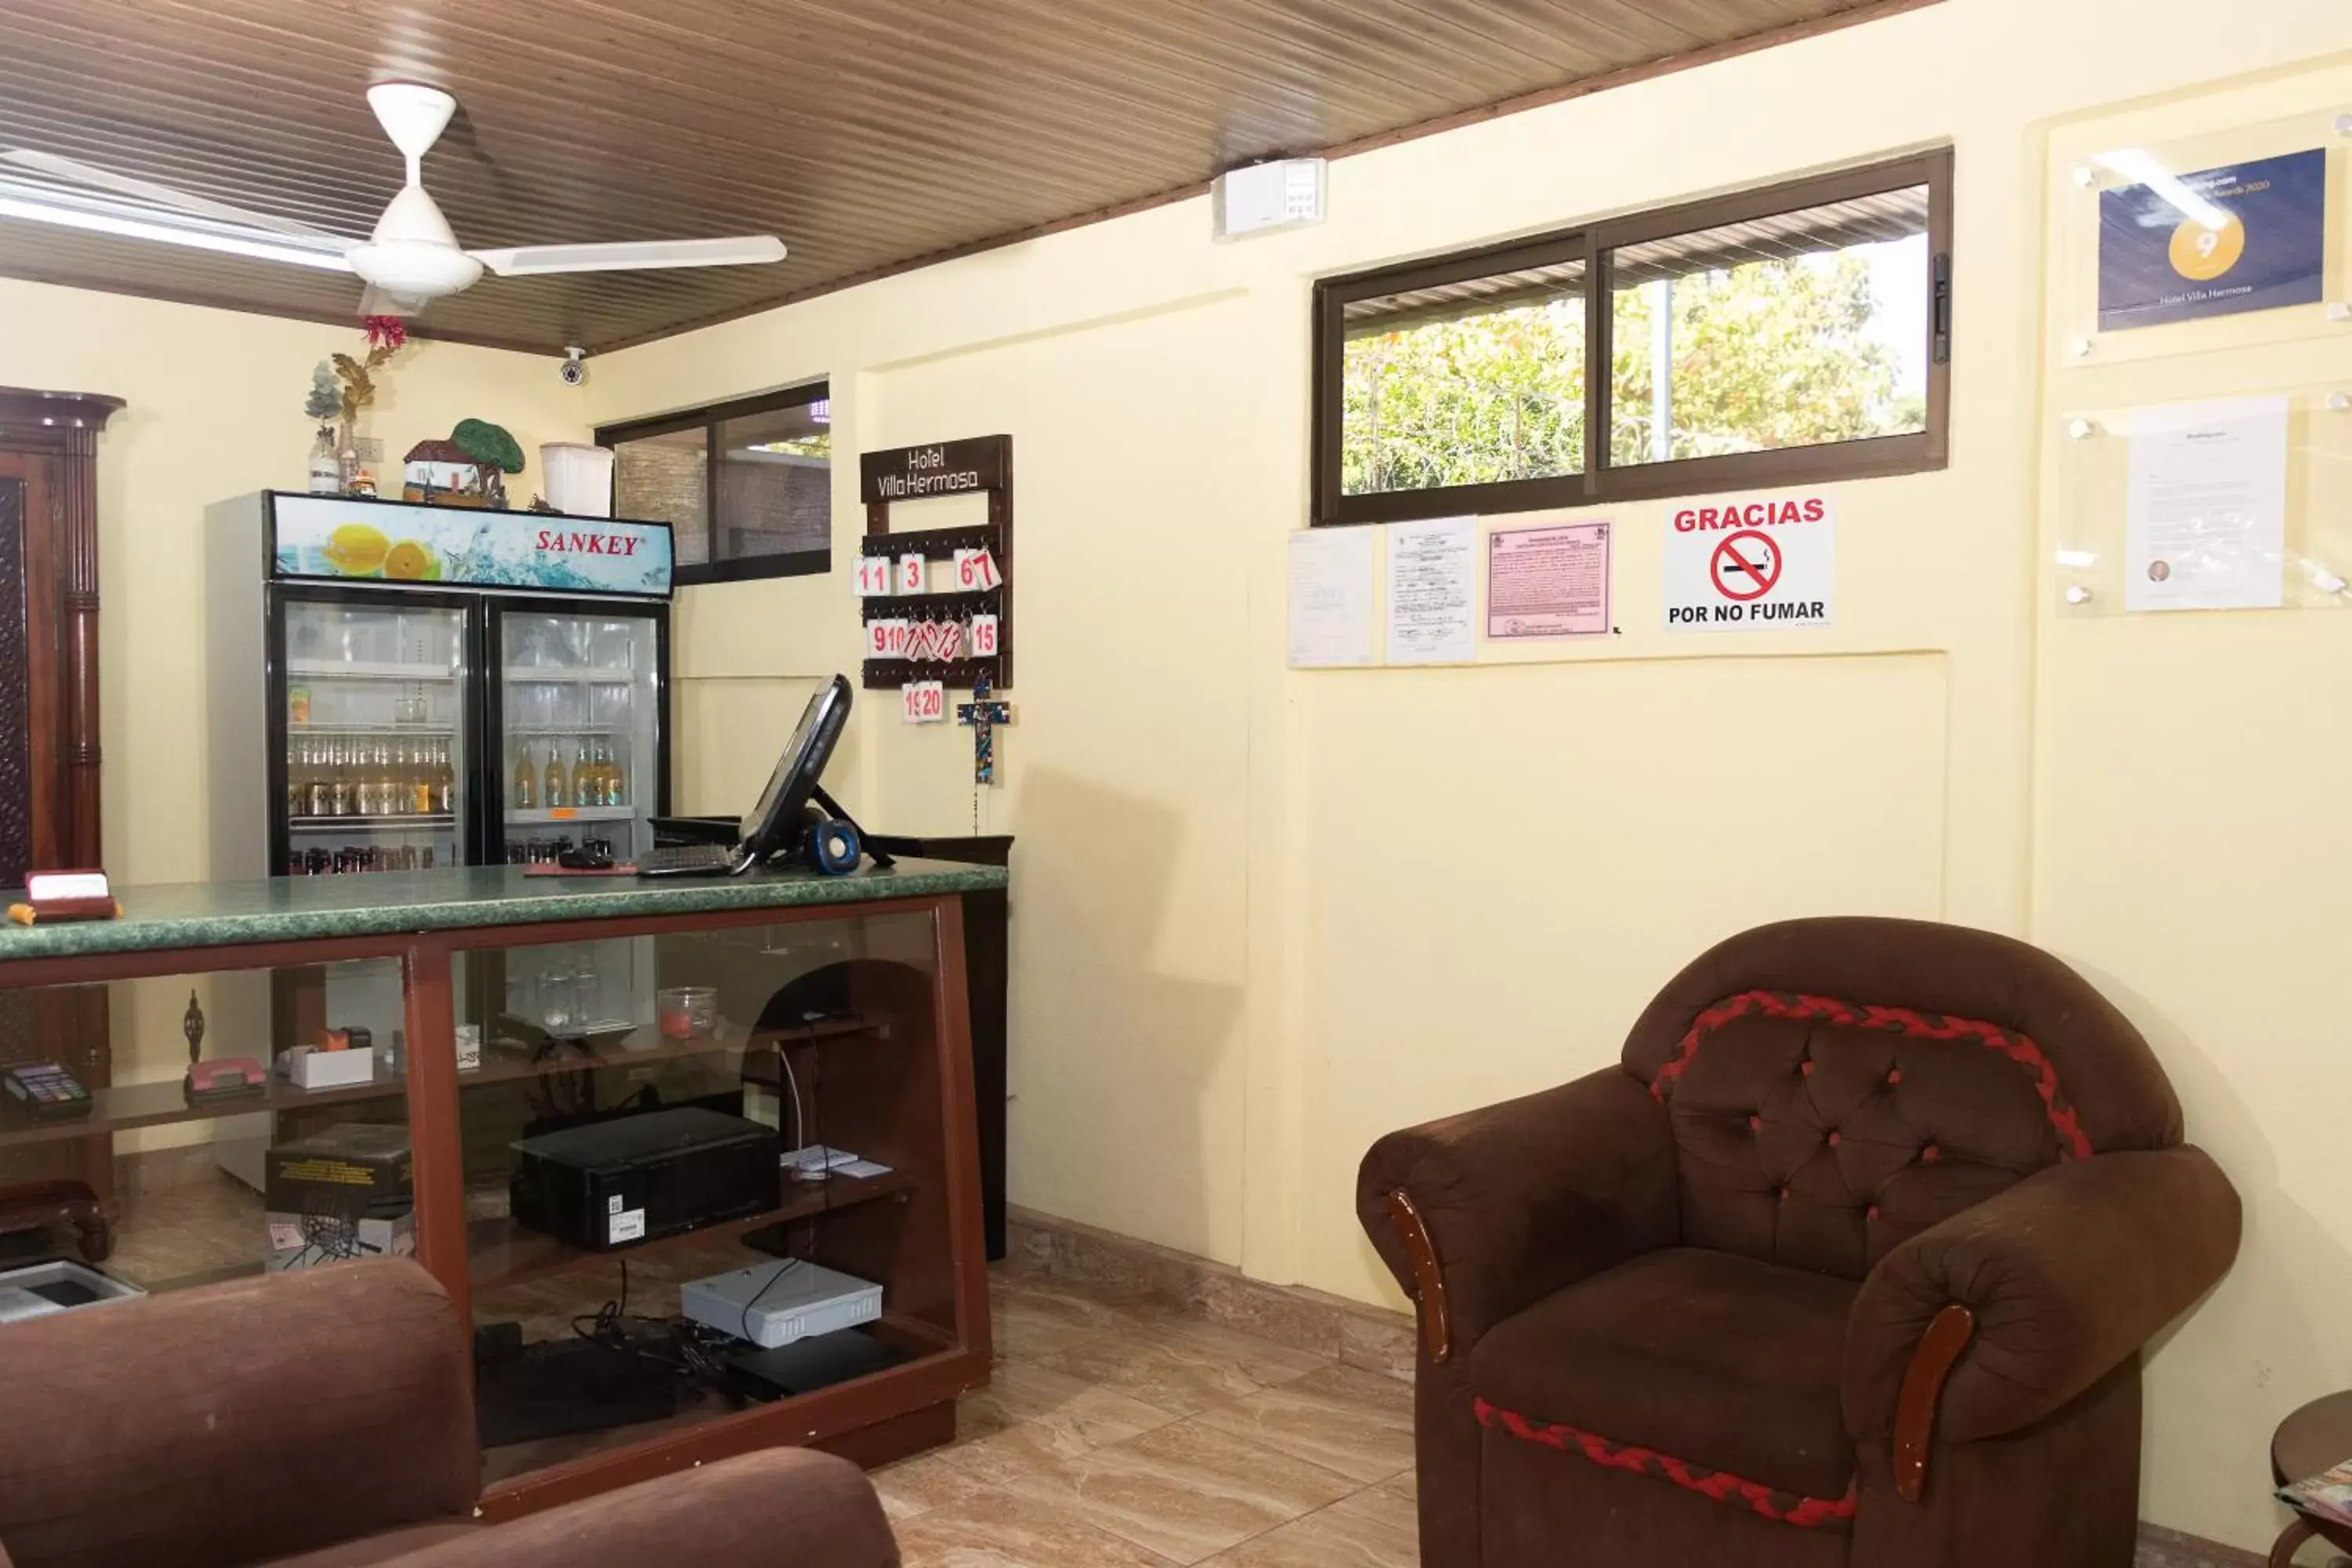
841	1002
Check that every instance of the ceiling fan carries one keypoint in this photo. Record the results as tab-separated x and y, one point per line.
410	260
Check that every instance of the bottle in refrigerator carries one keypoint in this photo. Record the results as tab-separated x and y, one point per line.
616	782
585	783
444	780
388	787
553	792
420	781
317	782
338	778
526	782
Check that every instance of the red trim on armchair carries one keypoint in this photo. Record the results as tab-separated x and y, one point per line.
1785	1508
2017	1048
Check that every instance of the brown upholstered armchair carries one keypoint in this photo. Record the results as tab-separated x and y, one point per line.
1849	1262
326	1420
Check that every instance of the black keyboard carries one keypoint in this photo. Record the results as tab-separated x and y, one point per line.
688	860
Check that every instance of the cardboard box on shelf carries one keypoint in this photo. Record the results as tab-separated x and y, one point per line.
308	1240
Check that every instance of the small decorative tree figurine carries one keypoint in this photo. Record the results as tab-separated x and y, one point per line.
323	404
495	451
385	336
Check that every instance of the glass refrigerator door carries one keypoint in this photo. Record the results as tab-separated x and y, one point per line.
375	737
582	733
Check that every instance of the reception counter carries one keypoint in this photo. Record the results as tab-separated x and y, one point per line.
832	1011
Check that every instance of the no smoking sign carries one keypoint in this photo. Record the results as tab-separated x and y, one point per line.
1750	561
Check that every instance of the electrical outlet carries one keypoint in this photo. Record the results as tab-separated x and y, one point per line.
369	448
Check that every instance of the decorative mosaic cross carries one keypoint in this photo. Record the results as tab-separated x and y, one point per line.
984	716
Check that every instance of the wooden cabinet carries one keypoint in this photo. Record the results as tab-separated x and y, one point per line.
48	747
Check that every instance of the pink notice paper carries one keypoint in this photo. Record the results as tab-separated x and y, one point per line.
1548	581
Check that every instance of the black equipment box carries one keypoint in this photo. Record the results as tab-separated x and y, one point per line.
349	1169
612	1184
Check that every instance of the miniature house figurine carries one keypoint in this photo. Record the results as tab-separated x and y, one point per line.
443	473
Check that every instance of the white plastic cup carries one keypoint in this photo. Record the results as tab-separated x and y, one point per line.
579	477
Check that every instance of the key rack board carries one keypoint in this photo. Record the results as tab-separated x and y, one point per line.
978	465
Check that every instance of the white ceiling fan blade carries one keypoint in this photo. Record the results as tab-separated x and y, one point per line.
624	256
72	171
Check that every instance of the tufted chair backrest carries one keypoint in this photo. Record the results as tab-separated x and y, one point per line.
1837	1085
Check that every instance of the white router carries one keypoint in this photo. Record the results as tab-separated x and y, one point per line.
774	1303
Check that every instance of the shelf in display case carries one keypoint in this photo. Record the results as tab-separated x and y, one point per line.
563	731
365	670
500	1064
506	1253
126	1107
555	674
368	823
536	817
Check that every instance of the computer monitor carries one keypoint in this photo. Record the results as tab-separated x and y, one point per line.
773	821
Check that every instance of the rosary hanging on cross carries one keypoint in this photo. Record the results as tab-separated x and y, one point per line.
982	715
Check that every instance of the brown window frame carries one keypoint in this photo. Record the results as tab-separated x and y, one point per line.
708	419
1602	484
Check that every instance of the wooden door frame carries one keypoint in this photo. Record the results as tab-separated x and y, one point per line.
48	446
49	441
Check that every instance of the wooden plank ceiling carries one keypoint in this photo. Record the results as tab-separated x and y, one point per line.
870	134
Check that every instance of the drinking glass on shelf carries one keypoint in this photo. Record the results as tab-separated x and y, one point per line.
558	997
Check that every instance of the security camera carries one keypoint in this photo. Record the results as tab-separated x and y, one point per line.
573	372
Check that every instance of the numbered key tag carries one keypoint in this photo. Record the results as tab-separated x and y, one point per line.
968	570
923	703
911	574
896	635
873	577
984	573
983	636
878	639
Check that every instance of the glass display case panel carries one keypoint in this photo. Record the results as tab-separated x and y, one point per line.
124	1170
679	1151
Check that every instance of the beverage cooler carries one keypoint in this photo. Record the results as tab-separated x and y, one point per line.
399	688
403	687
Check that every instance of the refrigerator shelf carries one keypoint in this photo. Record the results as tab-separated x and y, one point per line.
427	730
543	815
555	674
367	824
365	670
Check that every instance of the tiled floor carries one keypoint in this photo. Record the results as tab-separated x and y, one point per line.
1117	1435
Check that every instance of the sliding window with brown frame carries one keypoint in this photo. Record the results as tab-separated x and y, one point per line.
746	487
1789	335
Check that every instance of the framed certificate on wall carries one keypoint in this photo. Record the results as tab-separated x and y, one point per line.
2187	246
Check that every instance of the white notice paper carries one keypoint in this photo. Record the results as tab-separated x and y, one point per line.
2206	520
1331	596
1433	591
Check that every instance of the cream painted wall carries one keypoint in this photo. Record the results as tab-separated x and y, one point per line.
213	408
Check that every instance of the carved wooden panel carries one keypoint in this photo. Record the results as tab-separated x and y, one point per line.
16	680
48	730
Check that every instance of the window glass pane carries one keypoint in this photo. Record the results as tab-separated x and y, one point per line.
1465	384
1797	329
662	479
775	483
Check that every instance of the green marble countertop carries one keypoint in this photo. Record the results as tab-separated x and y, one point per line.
393	903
